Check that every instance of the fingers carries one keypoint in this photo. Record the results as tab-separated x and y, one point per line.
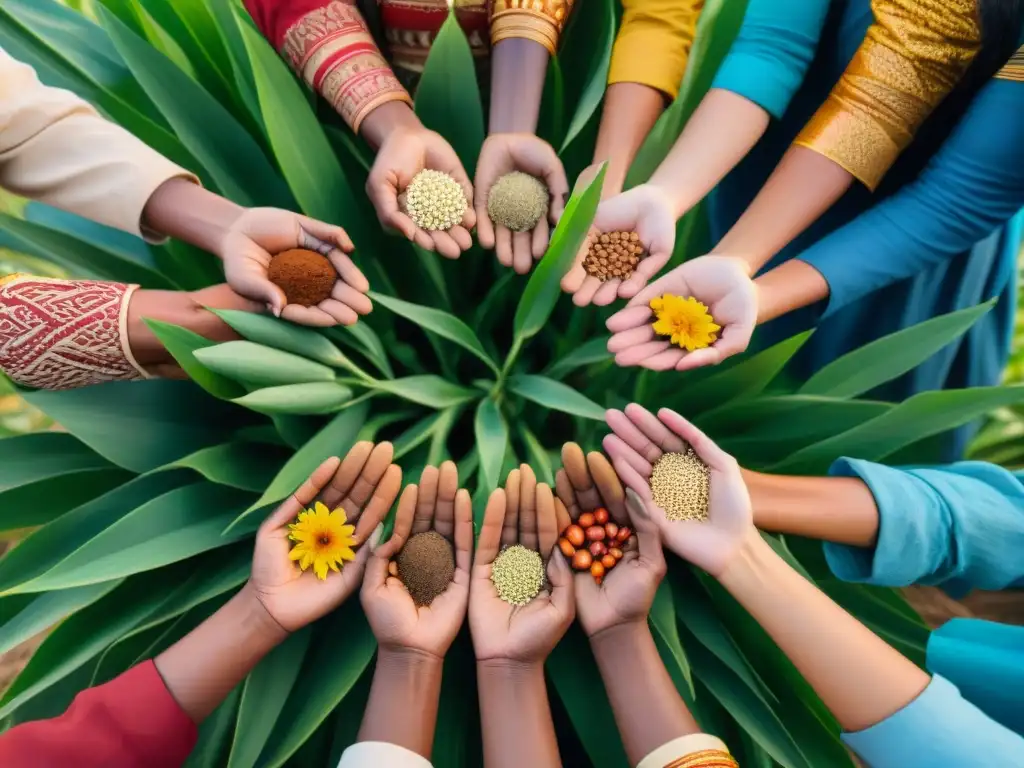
404	517
489	541
607	293
445	244
702	445
573	279
444	510
547	520
510	530
382	500
560	582
426	500
575	465
647	533
632	480
484	226
327	233
463	524
629	318
384	197
608	485
562	517
672	281
302	497
522	252
346	474
626	340
539	239
252	283
666	440
503	245
528	508
645	271
644	354
627	425
587	290
619	451
566	493
348	271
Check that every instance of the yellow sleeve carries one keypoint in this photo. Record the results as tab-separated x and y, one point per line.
653	44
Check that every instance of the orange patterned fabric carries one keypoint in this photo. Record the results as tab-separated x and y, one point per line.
706	758
63	334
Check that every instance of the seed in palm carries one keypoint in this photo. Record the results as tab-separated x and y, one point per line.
517	574
434	201
614	255
680	485
600	542
427	566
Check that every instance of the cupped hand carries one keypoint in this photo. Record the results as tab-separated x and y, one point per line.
639	440
626	593
436	504
722	283
645	210
524	512
365	484
258	233
405	152
503	153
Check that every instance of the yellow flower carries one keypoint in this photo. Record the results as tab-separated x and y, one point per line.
686	322
321	539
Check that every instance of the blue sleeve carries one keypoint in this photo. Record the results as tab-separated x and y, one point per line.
939	727
972	185
772	52
959	526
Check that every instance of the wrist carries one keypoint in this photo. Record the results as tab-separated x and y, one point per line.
407	661
749	566
255	621
385	120
509	670
619	638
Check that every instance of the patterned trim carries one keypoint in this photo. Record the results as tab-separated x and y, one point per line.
707	758
1014	69
333	50
63	334
539	20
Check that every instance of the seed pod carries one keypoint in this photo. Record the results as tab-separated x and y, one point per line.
598	549
581	560
611	529
575	535
600	515
608	562
567	549
615	552
586	520
314	398
596	570
262	366
595	533
623	534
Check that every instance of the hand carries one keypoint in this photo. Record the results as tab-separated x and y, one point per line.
721	282
503	153
639	440
627	592
437	504
523	513
249	242
365	485
405	152
645	210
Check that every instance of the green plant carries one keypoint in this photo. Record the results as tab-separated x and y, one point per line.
144	508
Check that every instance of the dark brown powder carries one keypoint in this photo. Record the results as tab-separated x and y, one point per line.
426	565
306	277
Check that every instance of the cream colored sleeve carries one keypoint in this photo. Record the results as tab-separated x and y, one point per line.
698	750
378	754
55	148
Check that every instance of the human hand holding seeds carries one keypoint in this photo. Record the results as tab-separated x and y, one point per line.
416	587
709	518
521	523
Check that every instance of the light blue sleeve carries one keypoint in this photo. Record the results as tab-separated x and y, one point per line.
972	185
959	526
772	52
937	728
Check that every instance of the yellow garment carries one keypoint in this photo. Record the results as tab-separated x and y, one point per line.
1014	69
539	20
912	56
653	44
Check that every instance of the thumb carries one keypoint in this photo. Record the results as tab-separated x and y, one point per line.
376	561
253	284
560	579
648	536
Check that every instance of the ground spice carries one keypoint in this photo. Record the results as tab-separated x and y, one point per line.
614	255
680	485
518	574
426	565
435	201
517	201
306	277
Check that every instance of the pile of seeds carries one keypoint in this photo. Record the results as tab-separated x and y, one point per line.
426	565
306	277
613	255
517	201
434	200
518	574
594	543
679	484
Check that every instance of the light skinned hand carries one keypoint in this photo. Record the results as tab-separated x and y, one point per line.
503	153
722	283
627	591
246	249
365	484
405	152
645	210
436	504
521	513
639	439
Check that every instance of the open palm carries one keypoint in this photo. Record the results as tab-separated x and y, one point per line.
521	513
436	504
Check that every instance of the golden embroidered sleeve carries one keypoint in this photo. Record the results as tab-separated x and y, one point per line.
913	55
539	20
696	750
653	44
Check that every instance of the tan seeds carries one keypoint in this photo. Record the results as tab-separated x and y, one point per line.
680	485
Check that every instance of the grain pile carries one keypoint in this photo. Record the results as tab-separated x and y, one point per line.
680	485
435	201
517	574
517	201
426	565
613	255
306	277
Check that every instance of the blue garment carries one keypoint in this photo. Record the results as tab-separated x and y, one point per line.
926	243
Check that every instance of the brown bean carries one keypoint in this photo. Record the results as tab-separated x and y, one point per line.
596	570
567	549
581	560
393	568
612	530
586	520
595	533
615	552
598	548
600	515
575	535
608	562
623	534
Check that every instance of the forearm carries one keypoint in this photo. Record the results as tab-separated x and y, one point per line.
205	665
178	308
859	677
790	286
518	68
402	708
515	716
838	509
648	710
722	130
630	111
187	212
382	121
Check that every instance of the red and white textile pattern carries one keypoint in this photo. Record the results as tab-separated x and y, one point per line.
63	334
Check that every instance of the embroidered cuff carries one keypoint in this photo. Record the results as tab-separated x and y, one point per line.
1014	68
539	20
333	50
697	750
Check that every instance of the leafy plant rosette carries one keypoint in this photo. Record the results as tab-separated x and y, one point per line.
141	514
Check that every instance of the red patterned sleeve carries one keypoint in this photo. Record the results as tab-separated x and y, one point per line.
130	722
329	45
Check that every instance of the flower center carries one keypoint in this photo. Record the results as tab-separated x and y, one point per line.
324	540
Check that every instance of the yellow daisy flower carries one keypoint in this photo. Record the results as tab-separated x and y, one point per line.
322	539
686	322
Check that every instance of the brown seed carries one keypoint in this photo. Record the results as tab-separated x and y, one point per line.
567	549
634	237
427	565
604	239
306	277
586	520
611	529
581	560
574	533
608	562
598	549
680	485
393	569
595	533
623	533
596	570
615	552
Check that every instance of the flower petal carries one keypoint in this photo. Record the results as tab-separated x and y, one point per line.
321	569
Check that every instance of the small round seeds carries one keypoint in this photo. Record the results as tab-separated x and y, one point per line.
435	201
613	256
517	574
427	566
680	485
517	201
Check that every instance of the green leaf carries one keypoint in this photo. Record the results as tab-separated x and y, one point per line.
37	503
429	390
366	341
439	439
491	435
663	623
182	344
589	47
280	334
439	322
587	353
214	735
887	358
556	396
27	459
544	287
416	435
46	610
318	397
536	455
262	366
239	465
231	34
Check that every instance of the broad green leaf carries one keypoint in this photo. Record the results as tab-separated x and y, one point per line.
536	456
46	610
39	502
280	334
890	357
231	35
215	732
365	340
663	623
439	439
261	366
376	423
431	391
416	435
29	458
556	396
588	353
317	397
544	287
237	464
491	435
182	344
589	46
439	322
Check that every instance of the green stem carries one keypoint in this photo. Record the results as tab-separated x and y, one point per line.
517	347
